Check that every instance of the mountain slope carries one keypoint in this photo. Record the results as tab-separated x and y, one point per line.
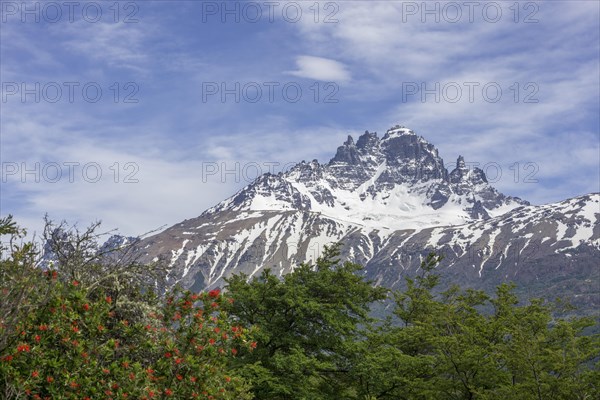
389	201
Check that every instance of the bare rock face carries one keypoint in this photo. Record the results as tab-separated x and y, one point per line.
390	201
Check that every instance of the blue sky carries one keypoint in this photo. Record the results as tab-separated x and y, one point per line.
169	143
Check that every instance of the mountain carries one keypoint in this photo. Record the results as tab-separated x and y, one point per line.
390	201
399	180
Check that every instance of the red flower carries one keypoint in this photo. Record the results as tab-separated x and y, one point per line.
234	351
253	345
108	299
37	338
211	341
23	348
168	392
35	374
49	379
75	283
86	306
168	355
214	293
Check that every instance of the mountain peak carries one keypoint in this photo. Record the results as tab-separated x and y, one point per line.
367	140
400	179
398	130
464	174
347	153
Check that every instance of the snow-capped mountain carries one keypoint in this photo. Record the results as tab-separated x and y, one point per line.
390	201
398	181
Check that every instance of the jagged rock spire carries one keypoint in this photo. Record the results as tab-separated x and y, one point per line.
460	163
464	174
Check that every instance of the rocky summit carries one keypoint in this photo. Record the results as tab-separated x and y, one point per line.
396	181
390	200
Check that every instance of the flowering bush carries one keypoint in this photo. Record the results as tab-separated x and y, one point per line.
77	347
92	331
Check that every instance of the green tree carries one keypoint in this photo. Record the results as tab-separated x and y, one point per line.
307	326
464	344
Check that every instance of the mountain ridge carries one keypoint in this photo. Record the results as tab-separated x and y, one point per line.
389	201
401	165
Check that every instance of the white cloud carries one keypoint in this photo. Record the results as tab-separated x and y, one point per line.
319	68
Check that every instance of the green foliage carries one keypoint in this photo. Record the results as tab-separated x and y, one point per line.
94	328
21	287
448	347
307	326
